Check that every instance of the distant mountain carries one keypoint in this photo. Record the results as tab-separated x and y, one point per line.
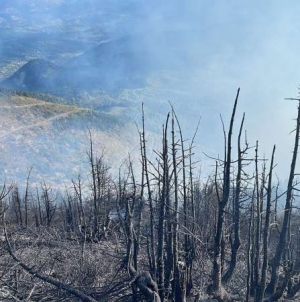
114	64
33	76
111	65
125	62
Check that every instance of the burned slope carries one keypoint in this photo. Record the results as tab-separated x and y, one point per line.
53	139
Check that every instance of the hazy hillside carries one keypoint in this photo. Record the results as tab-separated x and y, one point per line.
110	56
109	66
124	62
32	76
53	138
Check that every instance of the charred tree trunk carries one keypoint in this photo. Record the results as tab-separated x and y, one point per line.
266	233
216	288
179	296
276	261
256	267
26	198
49	204
94	187
16	199
151	243
250	250
236	212
162	216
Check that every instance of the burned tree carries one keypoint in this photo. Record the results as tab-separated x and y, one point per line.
283	238
216	288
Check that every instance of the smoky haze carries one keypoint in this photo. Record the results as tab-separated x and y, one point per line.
194	54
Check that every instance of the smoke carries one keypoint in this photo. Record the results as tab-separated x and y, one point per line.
193	53
229	45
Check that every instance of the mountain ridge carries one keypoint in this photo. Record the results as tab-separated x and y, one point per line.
110	65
